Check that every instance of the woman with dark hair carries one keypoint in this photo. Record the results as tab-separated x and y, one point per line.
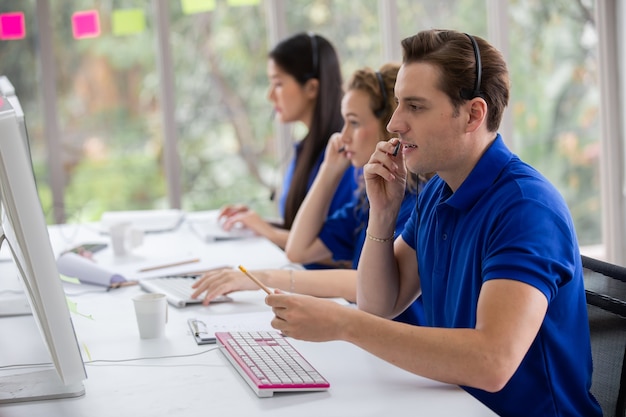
305	86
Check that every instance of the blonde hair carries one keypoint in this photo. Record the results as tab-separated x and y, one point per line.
381	96
383	104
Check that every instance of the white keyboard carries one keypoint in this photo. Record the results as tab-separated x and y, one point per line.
177	289
268	363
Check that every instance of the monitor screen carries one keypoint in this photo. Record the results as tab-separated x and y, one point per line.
24	230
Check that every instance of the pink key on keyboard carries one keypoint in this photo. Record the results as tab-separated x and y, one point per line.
268	363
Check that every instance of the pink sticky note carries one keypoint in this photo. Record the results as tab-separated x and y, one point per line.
86	24
12	26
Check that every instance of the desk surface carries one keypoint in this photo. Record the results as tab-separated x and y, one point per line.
187	379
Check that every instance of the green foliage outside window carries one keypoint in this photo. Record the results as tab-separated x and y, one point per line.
109	104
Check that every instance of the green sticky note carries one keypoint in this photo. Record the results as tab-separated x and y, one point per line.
71	280
128	21
197	6
237	3
73	308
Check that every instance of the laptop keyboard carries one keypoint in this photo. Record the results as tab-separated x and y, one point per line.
177	289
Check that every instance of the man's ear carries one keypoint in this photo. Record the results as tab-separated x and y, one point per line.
311	88
477	112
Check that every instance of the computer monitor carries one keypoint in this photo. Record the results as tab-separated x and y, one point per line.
7	90
13	303
24	229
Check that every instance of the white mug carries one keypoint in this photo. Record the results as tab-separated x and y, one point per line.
151	312
124	238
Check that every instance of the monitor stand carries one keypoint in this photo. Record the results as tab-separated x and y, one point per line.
14	304
34	386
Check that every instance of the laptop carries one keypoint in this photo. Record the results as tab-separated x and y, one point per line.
207	226
177	289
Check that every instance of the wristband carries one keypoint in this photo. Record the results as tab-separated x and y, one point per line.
379	240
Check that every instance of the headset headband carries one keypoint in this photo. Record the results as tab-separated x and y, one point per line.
470	94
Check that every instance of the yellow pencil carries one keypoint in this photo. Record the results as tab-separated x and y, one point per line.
255	279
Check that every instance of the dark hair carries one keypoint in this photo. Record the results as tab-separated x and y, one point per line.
453	54
297	57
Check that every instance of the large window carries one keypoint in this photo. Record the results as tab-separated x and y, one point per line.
19	62
463	15
110	111
223	117
555	101
108	108
352	27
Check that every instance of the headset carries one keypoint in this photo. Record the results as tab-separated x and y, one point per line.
314	57
379	113
465	93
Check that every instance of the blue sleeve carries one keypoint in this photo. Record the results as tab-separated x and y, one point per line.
340	230
343	232
346	190
344	194
516	253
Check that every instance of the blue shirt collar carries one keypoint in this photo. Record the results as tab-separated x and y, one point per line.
484	174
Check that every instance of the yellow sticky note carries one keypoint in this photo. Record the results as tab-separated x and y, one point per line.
128	21
197	6
236	3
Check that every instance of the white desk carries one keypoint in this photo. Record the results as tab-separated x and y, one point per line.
361	384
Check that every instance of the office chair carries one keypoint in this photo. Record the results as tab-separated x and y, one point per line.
605	288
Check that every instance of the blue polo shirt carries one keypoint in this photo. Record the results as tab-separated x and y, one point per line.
507	221
344	234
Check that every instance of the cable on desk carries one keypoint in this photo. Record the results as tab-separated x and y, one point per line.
112	361
188	355
79	293
26	365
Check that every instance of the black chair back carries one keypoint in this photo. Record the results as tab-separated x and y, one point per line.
605	288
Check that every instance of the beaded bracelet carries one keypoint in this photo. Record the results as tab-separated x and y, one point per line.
379	240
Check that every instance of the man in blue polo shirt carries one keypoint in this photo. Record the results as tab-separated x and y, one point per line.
490	246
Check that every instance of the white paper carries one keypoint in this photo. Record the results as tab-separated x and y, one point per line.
86	270
242	322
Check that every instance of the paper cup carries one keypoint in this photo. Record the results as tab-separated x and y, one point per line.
151	312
